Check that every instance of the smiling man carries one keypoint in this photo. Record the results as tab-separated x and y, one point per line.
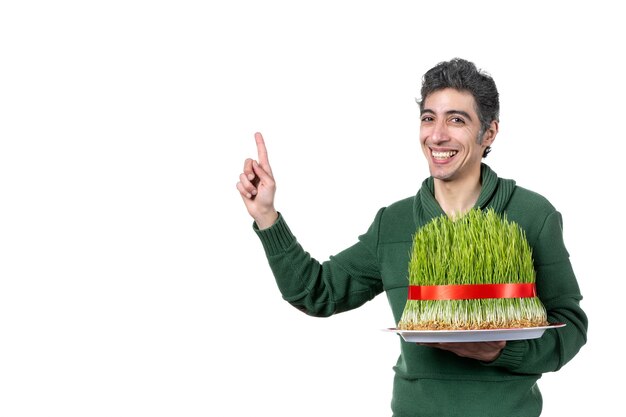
459	110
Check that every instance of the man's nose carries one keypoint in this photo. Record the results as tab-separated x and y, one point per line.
439	132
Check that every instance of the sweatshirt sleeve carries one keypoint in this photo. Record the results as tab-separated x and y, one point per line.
345	281
558	290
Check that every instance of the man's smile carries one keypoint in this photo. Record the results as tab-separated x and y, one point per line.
443	155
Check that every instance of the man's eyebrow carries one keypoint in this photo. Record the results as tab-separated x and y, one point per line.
450	112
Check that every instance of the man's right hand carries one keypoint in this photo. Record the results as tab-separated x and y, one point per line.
257	187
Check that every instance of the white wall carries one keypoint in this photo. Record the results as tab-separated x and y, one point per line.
131	282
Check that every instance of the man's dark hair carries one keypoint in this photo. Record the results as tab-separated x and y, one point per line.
463	75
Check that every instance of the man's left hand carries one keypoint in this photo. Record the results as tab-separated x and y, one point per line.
483	351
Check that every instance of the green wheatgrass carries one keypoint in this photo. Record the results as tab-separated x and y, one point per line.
479	247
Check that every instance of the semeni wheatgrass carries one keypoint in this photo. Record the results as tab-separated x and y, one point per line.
479	247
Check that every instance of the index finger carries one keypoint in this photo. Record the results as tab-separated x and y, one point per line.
262	151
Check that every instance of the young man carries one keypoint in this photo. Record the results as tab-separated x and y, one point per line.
459	123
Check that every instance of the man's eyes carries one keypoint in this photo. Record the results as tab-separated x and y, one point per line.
453	120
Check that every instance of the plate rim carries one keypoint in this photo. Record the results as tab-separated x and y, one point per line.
469	331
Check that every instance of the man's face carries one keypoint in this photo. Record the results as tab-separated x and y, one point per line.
449	135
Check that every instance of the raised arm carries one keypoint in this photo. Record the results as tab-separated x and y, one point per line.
257	186
345	281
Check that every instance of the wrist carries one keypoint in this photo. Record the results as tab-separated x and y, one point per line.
266	220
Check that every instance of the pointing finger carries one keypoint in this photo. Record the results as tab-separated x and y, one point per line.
262	151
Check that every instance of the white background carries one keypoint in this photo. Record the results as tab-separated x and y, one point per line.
131	283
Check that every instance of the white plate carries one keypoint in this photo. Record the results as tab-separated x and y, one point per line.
487	335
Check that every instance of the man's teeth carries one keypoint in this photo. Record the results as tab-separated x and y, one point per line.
443	155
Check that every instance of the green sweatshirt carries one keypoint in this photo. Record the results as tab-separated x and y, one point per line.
430	381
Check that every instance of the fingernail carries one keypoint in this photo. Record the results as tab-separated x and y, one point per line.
248	195
253	192
250	177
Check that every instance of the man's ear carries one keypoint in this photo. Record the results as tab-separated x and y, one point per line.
490	135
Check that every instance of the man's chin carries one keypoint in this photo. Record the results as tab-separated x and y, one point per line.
441	174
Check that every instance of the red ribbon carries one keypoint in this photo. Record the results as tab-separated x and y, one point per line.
471	291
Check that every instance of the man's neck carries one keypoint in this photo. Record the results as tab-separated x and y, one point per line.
458	196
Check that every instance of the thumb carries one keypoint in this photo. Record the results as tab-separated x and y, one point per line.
260	172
